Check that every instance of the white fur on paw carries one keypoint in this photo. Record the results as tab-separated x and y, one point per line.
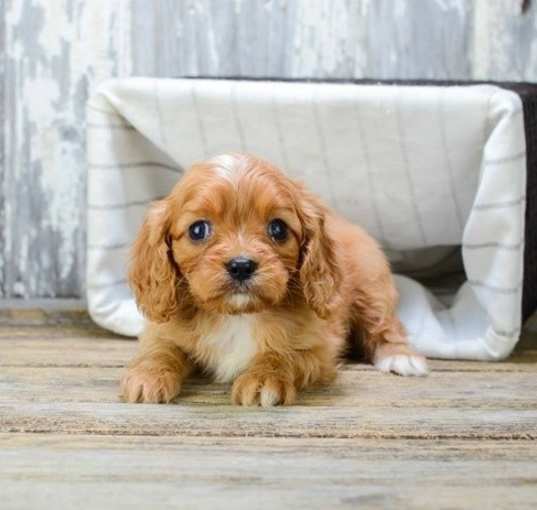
268	397
403	364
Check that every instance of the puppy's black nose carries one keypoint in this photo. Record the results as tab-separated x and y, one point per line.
241	268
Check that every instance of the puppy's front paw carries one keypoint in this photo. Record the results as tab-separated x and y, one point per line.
403	364
152	385
252	389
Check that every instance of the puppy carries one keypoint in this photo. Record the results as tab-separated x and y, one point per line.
243	273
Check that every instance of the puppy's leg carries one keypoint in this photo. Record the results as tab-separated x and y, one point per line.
384	338
275	378
157	372
391	352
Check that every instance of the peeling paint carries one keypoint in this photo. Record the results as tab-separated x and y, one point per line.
333	48
3	264
58	51
504	41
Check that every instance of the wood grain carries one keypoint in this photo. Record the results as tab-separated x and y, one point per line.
2	150
184	472
503	45
465	437
68	382
325	38
56	52
68	338
356	386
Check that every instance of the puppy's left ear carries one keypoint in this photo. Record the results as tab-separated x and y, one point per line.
320	275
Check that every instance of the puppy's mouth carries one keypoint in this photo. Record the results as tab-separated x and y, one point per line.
232	296
240	300
241	293
245	287
243	297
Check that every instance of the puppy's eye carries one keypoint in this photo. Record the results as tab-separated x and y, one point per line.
199	230
277	229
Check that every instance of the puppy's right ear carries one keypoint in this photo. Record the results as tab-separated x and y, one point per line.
153	274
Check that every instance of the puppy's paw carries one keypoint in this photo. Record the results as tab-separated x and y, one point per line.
152	385
266	390
403	364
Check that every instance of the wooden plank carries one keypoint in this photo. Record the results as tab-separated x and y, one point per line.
2	147
45	338
216	38
55	55
42	246
503	46
71	346
47	324
325	38
67	350
49	337
152	472
354	387
41	316
464	437
57	304
49	332
419	40
360	404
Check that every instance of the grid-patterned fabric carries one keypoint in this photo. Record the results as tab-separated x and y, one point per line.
421	168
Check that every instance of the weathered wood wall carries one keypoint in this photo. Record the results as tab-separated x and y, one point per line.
56	51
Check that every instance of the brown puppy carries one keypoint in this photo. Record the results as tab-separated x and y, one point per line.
242	272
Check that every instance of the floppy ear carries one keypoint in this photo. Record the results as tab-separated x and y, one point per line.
320	275
153	273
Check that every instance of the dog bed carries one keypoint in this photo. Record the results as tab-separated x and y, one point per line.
438	174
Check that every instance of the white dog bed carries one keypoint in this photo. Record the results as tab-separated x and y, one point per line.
435	173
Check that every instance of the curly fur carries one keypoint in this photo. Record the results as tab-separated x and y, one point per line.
326	287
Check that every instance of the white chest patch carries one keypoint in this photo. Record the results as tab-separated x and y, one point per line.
231	346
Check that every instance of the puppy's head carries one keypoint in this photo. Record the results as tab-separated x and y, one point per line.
234	236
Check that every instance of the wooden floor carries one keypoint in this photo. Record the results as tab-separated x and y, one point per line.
465	437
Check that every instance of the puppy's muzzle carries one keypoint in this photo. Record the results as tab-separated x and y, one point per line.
241	268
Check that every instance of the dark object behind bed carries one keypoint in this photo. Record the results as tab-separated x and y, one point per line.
528	94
